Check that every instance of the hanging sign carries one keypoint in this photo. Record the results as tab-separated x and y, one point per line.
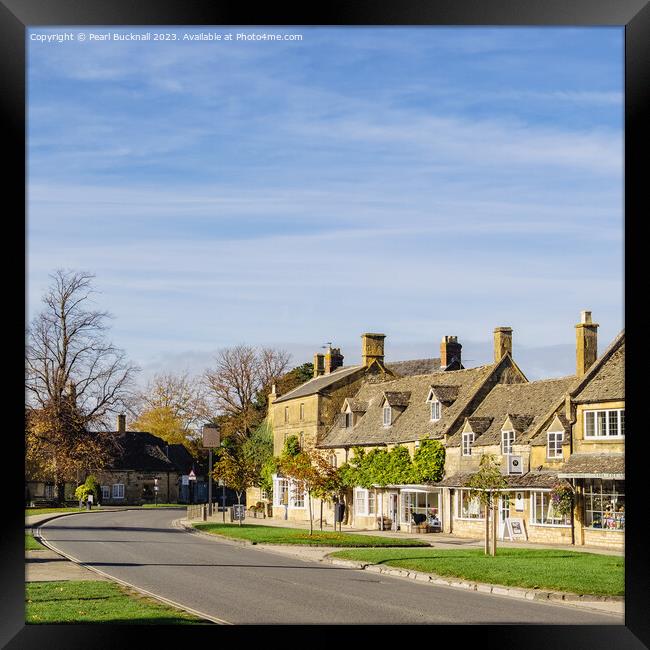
519	501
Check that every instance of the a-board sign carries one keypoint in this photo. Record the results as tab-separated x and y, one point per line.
515	529
238	512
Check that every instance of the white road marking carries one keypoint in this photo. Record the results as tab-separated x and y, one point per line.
167	601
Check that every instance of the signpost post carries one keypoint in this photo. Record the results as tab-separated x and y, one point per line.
211	439
155	492
191	477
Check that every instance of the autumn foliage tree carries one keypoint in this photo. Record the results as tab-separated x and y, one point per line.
173	407
75	380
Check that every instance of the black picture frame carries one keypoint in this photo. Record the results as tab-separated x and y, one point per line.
18	15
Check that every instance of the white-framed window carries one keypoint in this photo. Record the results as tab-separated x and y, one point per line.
364	502
608	423
604	504
286	413
264	495
387	415
118	491
435	410
296	494
302	411
468	441
469	506
348	420
542	513
280	491
106	492
554	440
507	440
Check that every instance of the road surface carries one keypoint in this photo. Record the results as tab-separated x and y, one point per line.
245	585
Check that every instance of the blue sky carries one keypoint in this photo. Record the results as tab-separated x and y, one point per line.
419	182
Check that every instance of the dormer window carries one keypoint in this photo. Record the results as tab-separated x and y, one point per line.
348	420
554	440
387	415
507	440
435	410
468	441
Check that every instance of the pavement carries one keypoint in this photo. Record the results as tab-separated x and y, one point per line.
47	565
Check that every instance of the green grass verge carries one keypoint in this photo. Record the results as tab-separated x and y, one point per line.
32	544
279	535
95	601
555	570
47	511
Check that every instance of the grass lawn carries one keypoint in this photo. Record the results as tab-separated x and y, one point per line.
581	573
279	535
95	601
31	544
47	511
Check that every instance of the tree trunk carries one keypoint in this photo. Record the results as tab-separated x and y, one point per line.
495	517
311	520
487	527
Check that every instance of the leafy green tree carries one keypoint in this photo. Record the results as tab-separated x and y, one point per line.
484	485
259	449
429	461
237	469
89	487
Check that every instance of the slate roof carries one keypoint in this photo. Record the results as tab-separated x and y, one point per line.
528	403
585	465
317	384
142	451
400	398
414	422
357	406
445	394
535	479
608	381
540	438
414	367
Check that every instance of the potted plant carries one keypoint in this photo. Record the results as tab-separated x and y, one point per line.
562	499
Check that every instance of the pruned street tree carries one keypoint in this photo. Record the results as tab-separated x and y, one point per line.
75	380
485	485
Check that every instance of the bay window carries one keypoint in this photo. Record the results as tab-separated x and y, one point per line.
604	504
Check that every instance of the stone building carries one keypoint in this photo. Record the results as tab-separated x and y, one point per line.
403	412
310	409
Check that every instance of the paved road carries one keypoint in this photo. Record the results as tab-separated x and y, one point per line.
245	585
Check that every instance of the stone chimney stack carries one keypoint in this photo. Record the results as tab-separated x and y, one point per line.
450	351
319	365
502	342
333	359
121	423
586	343
372	347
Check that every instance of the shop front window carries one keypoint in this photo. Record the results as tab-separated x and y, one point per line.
604	504
542	513
425	505
469	506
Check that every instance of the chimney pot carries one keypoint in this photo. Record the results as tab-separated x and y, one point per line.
372	348
450	350
586	343
502	342
333	359
319	365
121	423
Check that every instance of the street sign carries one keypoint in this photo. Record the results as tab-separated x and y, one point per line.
211	436
185	479
238	512
155	487
192	476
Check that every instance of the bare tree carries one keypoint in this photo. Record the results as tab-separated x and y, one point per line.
75	379
239	375
173	406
